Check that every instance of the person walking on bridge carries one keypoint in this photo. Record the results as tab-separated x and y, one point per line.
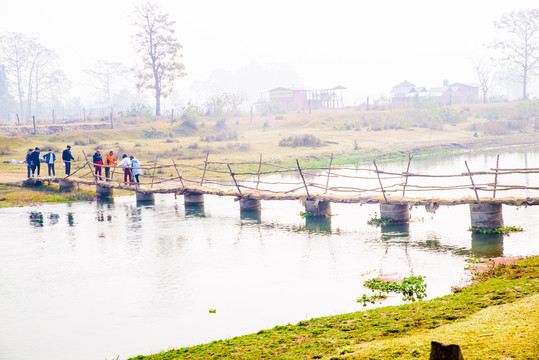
135	168
126	164
98	164
50	158
36	161
109	161
67	158
29	162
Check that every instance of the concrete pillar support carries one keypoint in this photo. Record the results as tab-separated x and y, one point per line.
486	216
144	196
318	207
395	213
193	198
66	185
104	191
250	204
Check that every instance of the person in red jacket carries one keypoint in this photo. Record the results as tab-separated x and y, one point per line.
98	164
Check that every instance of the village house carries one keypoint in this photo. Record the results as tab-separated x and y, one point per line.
405	92
300	99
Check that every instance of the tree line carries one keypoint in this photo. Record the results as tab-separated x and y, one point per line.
30	75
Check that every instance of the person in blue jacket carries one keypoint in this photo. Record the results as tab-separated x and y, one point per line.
50	158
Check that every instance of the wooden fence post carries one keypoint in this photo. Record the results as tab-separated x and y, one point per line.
379	180
407	170
329	172
302	178
234	178
259	167
90	166
154	167
205	166
178	172
471	179
496	176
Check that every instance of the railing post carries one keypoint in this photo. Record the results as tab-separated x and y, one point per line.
329	172
496	176
205	166
302	178
407	171
178	172
471	179
379	180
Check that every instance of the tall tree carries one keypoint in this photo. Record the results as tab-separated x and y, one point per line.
6	101
520	49
105	75
484	76
159	50
15	53
27	63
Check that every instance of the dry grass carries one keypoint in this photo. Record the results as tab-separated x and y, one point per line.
349	135
506	331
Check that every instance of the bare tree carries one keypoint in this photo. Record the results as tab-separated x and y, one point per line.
484	76
42	66
159	51
15	53
521	48
234	100
106	74
27	64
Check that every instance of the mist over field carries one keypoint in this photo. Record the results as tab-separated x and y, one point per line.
83	61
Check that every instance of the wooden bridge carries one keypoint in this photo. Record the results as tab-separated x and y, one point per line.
251	182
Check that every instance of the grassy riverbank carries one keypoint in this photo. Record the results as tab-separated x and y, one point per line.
351	135
14	195
495	318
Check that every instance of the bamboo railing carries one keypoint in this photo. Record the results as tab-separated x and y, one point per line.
261	178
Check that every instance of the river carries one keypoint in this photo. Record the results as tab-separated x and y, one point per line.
98	280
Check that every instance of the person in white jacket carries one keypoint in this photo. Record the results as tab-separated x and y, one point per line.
135	168
126	164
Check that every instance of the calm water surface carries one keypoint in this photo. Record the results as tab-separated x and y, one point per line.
105	279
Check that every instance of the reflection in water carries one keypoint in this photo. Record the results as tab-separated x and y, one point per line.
146	202
36	219
318	224
195	210
102	205
487	245
70	219
134	214
395	230
53	219
251	216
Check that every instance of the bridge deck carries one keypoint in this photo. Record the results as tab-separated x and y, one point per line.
177	188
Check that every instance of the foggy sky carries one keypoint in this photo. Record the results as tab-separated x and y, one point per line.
367	47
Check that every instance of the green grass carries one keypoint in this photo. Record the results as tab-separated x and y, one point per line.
506	230
335	336
12	195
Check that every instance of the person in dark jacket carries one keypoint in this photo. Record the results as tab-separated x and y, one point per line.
67	158
98	164
35	162
50	158
29	162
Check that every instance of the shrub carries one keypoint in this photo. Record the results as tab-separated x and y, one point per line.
139	110
153	133
187	127
302	140
493	114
